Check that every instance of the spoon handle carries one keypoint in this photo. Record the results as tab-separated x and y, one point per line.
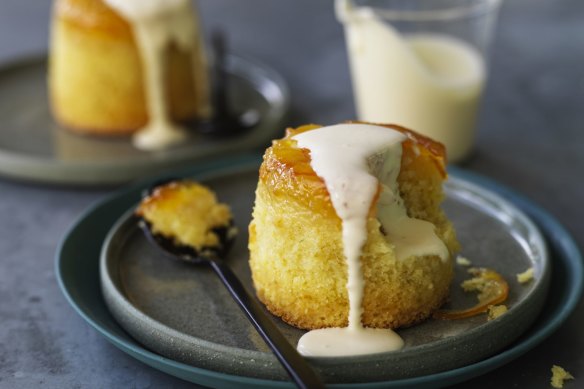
296	366
220	100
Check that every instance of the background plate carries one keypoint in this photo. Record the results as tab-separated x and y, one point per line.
34	147
77	267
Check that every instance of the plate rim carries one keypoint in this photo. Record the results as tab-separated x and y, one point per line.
545	221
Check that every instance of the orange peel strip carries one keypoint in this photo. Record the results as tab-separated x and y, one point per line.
492	288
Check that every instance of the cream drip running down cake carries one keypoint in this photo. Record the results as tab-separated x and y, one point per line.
347	234
120	67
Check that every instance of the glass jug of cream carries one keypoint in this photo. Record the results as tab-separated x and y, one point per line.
422	67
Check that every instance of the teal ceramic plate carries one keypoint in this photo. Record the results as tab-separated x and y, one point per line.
34	147
78	262
185	314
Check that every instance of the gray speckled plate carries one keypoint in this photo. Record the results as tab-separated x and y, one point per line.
33	147
185	314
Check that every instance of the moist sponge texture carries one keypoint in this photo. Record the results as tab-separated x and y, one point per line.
296	248
186	212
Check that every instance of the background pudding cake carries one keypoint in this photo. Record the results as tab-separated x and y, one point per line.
382	185
119	66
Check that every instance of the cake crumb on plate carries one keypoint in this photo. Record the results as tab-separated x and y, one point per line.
495	311
559	375
526	276
463	261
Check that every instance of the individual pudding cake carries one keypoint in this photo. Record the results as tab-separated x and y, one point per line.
118	66
347	227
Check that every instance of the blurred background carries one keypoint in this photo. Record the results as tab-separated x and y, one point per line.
530	138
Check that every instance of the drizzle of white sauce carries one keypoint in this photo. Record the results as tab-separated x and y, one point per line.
157	24
353	159
336	342
410	236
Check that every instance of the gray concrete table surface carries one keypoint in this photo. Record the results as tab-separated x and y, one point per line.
531	138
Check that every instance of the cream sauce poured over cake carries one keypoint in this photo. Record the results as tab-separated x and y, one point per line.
156	25
353	160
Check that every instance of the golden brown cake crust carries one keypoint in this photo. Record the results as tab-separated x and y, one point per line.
296	253
92	15
286	169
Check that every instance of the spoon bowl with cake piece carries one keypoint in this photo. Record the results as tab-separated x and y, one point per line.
185	221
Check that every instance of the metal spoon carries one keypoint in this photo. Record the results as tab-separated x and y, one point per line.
225	120
294	364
